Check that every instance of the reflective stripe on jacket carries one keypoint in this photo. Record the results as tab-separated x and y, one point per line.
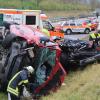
18	79
93	35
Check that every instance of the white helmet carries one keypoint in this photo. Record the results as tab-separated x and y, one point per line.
30	69
54	38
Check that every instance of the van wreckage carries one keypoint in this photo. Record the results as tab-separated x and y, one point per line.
24	46
78	54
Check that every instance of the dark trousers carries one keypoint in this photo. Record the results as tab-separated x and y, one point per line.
12	97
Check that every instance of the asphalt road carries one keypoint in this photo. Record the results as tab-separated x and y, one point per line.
77	36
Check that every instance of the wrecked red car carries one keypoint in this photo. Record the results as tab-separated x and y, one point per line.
24	46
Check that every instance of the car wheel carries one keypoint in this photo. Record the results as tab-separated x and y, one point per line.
68	32
86	31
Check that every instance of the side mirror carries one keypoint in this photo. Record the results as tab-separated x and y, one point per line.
53	28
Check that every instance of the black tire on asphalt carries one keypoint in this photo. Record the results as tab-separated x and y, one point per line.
87	31
68	32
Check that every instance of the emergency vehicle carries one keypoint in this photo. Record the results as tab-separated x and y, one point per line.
54	31
27	17
31	18
70	27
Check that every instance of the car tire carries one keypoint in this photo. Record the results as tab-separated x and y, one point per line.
87	31
68	32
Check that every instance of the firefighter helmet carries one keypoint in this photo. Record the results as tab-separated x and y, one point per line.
30	69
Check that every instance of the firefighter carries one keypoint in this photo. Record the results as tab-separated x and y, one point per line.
94	37
97	14
46	32
17	82
56	39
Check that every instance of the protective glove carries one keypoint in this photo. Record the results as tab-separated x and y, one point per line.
26	93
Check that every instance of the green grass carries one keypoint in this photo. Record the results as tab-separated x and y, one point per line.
3	96
47	5
80	85
43	5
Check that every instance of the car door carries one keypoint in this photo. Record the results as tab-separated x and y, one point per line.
80	28
73	27
47	25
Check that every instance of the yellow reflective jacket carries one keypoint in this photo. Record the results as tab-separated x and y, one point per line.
46	32
93	35
17	80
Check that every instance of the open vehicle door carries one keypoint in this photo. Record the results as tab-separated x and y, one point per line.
53	32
